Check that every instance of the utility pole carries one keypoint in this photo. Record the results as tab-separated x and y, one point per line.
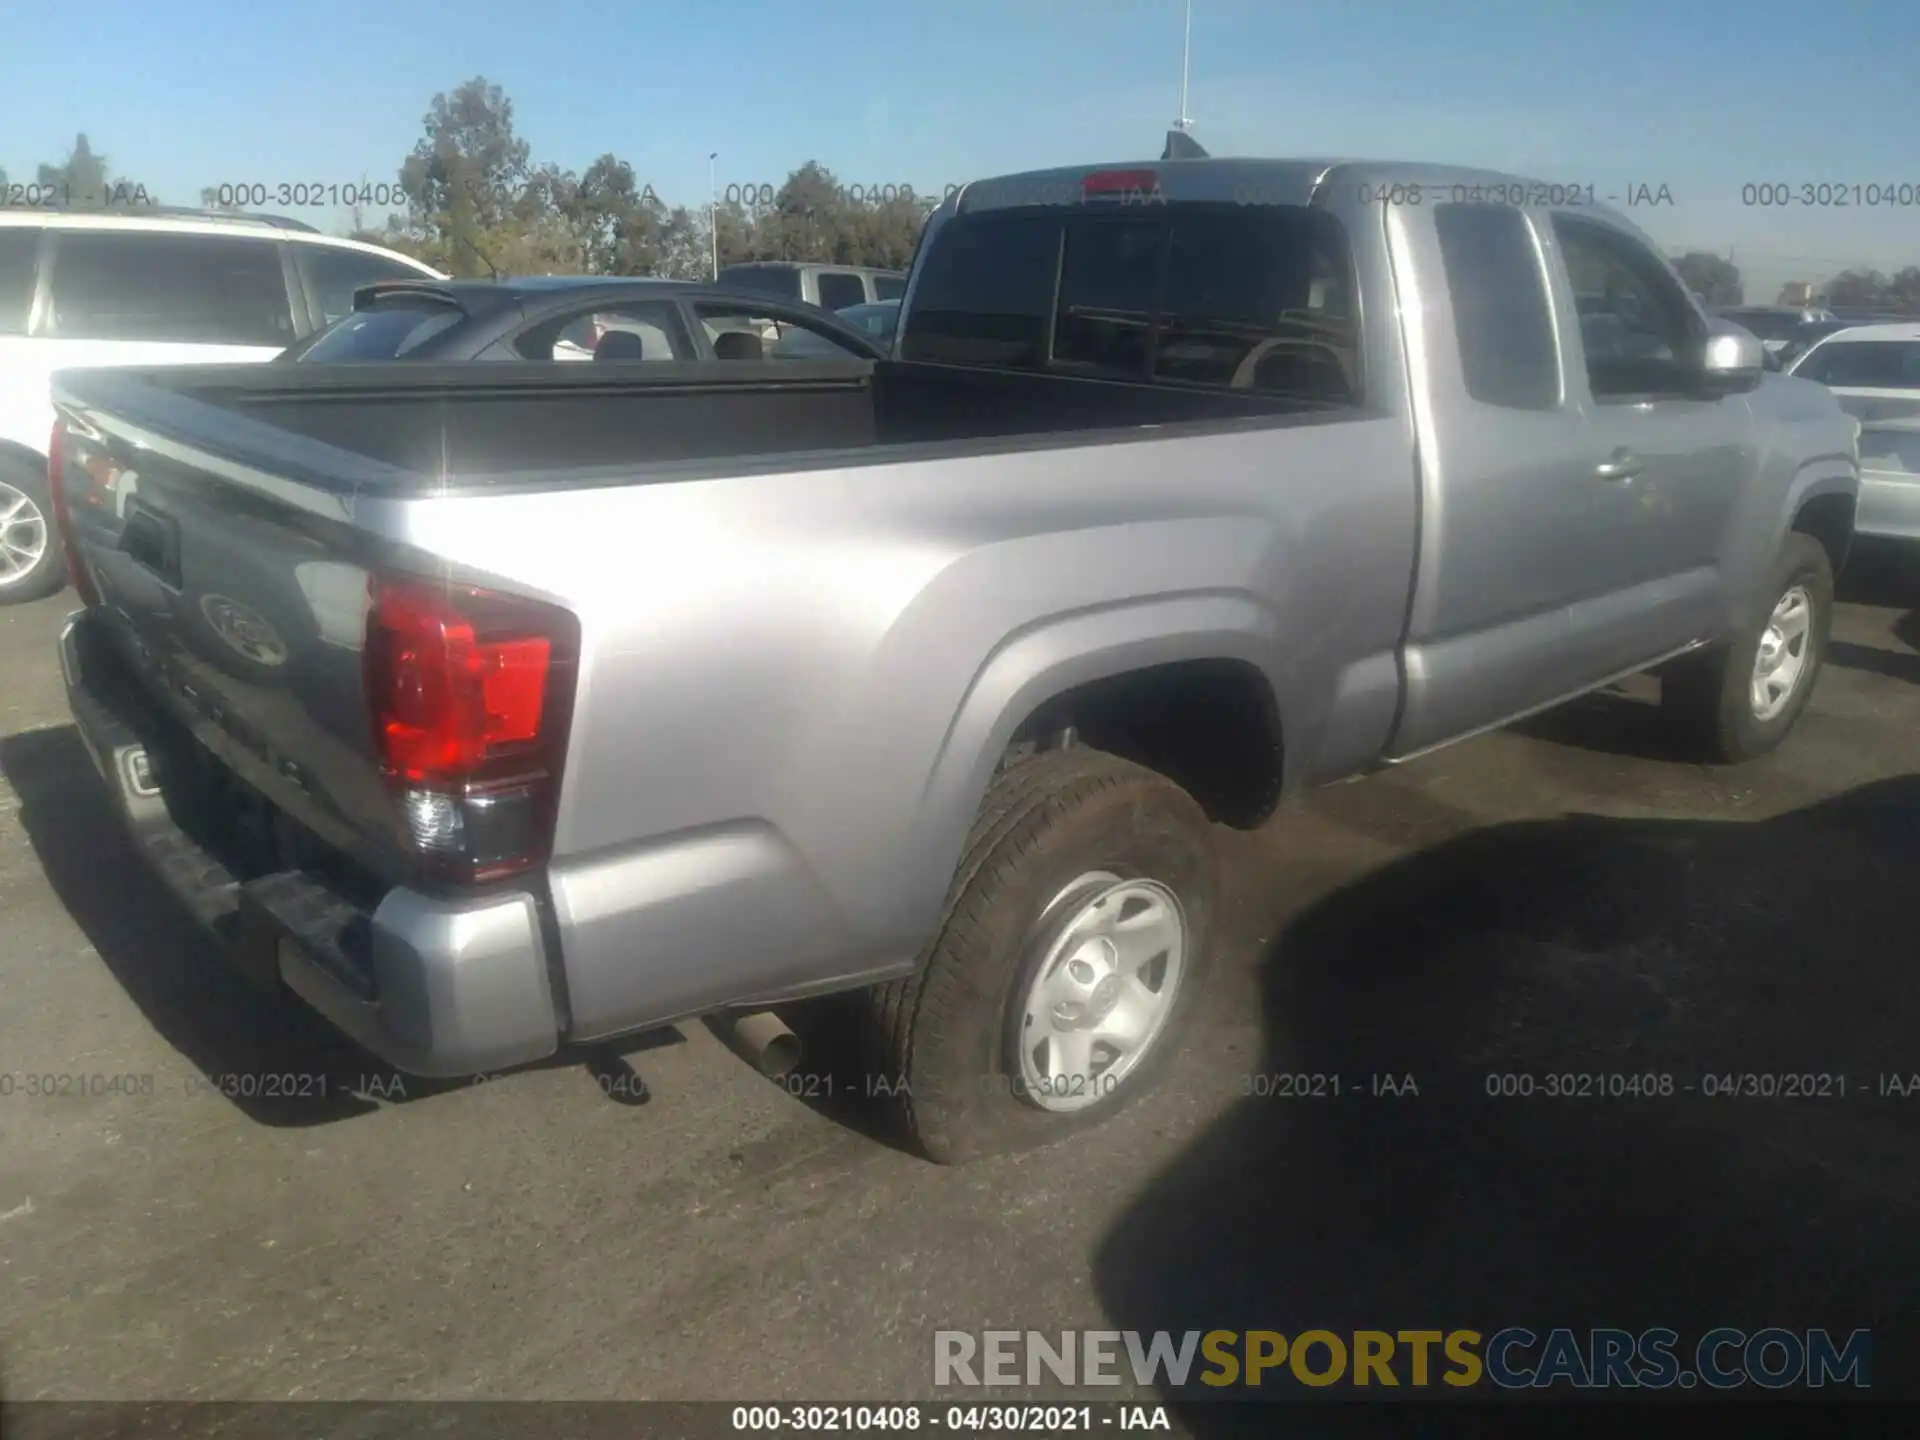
1185	124
713	212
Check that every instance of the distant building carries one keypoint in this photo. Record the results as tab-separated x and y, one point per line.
1797	292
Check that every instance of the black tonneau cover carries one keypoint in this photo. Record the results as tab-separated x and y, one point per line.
424	423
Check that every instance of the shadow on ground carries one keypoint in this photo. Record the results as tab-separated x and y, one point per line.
1885	573
1584	946
1621	720
277	1060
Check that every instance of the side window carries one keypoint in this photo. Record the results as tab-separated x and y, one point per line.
638	330
889	287
985	292
19	254
1259	298
742	332
1637	328
189	289
838	290
1108	277
1501	318
333	275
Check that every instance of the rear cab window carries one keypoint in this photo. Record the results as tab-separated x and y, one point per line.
1207	294
889	287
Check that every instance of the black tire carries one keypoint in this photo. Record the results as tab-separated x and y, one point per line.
942	1042
49	573
1708	696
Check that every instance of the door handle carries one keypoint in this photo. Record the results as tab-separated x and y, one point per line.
1620	465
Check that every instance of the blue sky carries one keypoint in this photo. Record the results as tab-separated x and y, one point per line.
1701	96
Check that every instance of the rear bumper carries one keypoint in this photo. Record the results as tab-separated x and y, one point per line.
434	987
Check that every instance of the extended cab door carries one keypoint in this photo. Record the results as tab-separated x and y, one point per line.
1667	465
1507	474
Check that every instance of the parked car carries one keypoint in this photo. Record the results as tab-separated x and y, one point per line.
696	691
1806	335
877	322
571	318
831	287
1874	372
158	287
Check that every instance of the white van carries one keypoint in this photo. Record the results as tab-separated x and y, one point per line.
155	287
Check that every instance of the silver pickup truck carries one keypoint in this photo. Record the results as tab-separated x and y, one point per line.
500	709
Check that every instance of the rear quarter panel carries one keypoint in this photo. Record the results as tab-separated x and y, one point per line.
795	686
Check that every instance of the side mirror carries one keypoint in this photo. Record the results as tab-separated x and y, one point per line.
1733	360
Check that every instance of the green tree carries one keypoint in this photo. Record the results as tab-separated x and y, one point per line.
614	219
887	232
1859	290
1903	291
472	190
1713	278
84	180
682	246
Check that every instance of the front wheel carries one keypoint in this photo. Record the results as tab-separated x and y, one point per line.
1741	701
1072	944
31	562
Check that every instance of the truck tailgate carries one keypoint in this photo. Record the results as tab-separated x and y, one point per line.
241	614
237	601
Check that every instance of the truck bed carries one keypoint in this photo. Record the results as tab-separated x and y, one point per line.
490	424
800	592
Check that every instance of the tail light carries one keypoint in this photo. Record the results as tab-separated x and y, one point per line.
1120	182
82	582
471	694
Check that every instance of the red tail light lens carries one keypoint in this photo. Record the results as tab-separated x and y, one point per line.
470	693
1119	182
63	518
445	699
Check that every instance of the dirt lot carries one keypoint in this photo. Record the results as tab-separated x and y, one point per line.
1566	898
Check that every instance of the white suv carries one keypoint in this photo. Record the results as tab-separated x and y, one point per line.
156	288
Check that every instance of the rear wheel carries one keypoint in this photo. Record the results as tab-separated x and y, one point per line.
1073	940
1741	701
31	563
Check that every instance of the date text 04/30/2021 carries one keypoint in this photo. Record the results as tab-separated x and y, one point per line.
968	1419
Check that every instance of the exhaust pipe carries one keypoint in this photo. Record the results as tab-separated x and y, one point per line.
763	1041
